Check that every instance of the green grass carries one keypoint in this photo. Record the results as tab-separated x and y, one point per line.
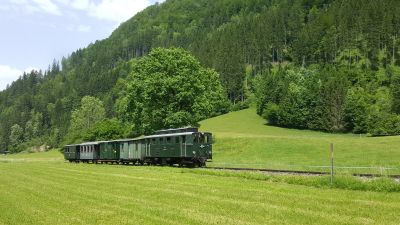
244	140
35	192
53	155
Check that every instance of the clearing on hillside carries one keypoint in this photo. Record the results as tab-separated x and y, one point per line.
244	140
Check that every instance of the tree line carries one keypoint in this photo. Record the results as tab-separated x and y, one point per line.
242	41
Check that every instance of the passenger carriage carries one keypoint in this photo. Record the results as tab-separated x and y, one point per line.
184	146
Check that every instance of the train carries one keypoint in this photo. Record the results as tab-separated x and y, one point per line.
181	146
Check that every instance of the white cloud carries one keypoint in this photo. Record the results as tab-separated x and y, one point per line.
81	4
48	6
117	10
30	69
8	75
83	28
111	10
79	28
33	6
5	7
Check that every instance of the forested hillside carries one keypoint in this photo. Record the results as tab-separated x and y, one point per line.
318	64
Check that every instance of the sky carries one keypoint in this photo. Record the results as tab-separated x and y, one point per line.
34	32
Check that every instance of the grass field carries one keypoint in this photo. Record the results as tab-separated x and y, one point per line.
55	192
243	140
41	188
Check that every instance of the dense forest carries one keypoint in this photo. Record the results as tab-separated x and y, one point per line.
328	65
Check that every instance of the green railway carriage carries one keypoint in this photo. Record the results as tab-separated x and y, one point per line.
89	151
71	152
109	151
193	148
132	150
183	146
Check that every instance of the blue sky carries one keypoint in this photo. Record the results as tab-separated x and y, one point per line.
34	32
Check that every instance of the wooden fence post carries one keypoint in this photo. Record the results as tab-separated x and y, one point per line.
331	163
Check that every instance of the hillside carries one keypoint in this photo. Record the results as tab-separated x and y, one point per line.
242	139
239	39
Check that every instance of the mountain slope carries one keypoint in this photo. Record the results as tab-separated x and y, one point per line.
237	38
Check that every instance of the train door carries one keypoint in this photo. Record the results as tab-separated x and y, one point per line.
183	145
148	147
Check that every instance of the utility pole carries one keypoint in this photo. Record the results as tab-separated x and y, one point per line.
331	163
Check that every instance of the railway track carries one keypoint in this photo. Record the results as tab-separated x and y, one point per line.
301	172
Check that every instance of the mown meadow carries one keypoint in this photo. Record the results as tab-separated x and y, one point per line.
41	188
36	191
242	139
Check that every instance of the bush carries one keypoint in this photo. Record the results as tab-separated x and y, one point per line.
272	114
108	129
240	105
383	124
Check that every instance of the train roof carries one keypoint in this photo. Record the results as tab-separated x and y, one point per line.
173	134
176	130
137	138
71	145
92	143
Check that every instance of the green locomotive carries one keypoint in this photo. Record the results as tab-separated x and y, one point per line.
183	146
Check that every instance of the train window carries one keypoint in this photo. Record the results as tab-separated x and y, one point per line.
176	139
168	139
201	138
183	139
153	140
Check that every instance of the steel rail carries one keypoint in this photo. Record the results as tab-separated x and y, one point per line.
301	172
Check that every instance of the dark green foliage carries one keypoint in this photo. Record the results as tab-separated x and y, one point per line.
333	94
328	98
395	87
169	88
108	129
356	110
84	118
359	37
382	124
272	114
16	137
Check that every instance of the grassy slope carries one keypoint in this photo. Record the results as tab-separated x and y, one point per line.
243	139
62	193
